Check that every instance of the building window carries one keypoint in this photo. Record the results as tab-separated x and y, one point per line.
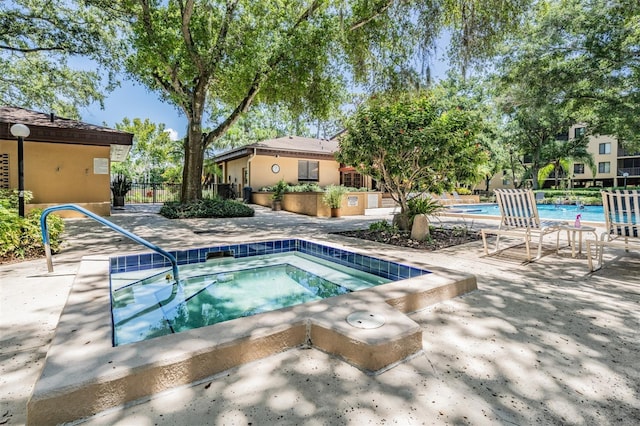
4	171
579	131
352	179
604	167
604	148
308	170
578	169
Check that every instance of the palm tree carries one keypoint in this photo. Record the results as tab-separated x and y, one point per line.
559	156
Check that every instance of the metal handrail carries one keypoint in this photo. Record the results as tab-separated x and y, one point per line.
47	245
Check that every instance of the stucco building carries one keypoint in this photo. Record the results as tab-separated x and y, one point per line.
292	158
65	161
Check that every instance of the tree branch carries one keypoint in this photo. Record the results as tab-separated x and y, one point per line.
174	84
33	49
259	79
186	10
370	18
218	49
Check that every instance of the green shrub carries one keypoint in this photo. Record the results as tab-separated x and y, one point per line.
279	190
304	187
425	205
21	238
463	191
210	207
586	196
332	196
382	226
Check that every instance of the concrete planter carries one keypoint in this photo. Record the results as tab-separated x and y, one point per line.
310	203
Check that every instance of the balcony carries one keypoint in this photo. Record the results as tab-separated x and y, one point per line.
633	171
624	153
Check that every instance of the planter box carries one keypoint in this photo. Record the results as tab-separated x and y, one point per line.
310	203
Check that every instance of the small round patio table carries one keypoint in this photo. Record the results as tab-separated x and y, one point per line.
571	237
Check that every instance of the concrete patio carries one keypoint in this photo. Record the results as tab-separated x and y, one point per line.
543	342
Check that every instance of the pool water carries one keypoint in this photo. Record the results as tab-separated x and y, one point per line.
546	211
146	303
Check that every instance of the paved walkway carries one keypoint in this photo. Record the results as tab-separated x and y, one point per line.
538	343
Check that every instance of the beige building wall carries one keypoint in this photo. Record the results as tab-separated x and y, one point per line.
260	171
609	155
62	173
233	171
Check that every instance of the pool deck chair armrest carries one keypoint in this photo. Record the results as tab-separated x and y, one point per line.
520	219
622	225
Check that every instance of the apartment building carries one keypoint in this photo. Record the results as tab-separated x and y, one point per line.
613	165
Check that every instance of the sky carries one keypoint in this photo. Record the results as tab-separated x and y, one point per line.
132	100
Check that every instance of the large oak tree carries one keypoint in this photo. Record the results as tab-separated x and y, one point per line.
214	59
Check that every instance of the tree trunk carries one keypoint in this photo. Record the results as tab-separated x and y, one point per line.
193	162
534	176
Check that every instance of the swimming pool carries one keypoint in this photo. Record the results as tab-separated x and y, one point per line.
223	283
547	211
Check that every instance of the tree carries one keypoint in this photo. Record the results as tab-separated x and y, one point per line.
214	59
421	142
535	112
36	40
560	156
478	26
261	122
153	155
586	53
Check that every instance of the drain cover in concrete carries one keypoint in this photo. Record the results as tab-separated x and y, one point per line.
365	319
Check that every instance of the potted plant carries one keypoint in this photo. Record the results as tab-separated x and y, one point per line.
332	197
278	193
119	188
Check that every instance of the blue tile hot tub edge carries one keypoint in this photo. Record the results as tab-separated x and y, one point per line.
384	268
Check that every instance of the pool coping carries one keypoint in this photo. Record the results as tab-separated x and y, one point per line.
84	374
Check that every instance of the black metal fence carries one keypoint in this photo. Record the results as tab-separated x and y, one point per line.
142	192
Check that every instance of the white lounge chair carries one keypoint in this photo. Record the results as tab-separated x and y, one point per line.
622	224
519	219
459	200
444	199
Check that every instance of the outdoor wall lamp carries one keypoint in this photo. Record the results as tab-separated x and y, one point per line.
20	131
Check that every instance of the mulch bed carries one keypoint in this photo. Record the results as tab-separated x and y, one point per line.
29	255
440	238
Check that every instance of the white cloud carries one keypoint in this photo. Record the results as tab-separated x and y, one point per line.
173	135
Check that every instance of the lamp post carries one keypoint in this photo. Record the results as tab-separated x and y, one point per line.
625	175
20	131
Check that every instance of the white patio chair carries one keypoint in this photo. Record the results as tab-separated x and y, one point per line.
622	224
519	219
458	199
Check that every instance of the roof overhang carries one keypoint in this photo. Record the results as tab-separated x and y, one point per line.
47	128
119	152
245	152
